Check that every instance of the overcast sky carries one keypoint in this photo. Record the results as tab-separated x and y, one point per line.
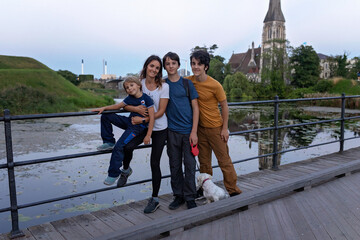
60	33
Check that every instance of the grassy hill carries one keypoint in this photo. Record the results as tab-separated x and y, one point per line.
28	87
347	86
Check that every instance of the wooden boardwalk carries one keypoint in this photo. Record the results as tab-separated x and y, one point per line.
272	206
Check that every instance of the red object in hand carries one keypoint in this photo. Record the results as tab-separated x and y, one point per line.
194	150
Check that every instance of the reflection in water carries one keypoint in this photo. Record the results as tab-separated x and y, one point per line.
242	119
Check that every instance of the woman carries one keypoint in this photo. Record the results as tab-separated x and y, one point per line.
158	90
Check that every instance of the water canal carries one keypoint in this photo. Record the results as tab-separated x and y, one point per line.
42	138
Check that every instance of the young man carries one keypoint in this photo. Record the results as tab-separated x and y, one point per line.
213	126
183	116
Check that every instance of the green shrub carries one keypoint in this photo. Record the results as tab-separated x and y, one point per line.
323	85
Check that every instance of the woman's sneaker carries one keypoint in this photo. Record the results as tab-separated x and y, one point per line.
110	180
106	146
123	177
152	206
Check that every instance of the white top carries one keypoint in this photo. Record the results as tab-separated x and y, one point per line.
163	92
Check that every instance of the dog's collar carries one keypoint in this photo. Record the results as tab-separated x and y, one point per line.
206	180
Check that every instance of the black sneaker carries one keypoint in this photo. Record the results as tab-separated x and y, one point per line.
152	206
123	178
178	201
199	193
191	204
234	194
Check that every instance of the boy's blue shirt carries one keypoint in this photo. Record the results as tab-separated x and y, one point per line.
179	110
144	100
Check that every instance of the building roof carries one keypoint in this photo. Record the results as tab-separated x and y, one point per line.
239	62
322	56
274	13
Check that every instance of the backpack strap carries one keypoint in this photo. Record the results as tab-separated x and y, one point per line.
187	88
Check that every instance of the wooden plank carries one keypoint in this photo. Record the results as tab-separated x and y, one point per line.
45	231
218	229
326	221
259	223
272	222
130	214
285	220
92	225
70	230
113	220
338	208
140	205
246	227
28	236
184	218
301	225
232	229
314	223
302	169
348	197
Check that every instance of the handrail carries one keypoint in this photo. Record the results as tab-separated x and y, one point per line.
10	165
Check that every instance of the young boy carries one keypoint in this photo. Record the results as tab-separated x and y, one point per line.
183	116
213	125
136	97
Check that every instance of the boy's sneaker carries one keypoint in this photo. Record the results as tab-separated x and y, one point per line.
152	206
110	180
106	146
123	177
178	201
191	204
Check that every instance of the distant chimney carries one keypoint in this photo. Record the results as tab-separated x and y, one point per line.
82	66
105	67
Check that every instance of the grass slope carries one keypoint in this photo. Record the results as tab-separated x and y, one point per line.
28	87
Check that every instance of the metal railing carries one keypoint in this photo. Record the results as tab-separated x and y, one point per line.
11	165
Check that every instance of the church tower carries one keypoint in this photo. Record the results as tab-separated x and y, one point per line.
273	35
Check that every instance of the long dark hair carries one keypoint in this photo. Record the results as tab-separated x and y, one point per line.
158	77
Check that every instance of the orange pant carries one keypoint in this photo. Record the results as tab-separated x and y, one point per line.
210	140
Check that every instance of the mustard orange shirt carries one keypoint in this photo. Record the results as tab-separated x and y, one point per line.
210	94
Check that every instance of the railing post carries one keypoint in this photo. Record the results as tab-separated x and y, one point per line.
342	125
276	133
15	231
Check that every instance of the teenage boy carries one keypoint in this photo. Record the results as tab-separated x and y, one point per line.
213	126
183	115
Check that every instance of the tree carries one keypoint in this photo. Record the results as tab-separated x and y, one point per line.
341	70
69	76
306	65
355	68
238	86
275	71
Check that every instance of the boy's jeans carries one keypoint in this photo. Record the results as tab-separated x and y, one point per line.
107	135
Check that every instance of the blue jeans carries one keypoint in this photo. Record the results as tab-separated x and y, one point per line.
131	131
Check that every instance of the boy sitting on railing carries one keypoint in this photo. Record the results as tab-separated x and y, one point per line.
136	97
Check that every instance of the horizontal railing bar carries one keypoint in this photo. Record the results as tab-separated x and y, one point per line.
64	157
350	118
5	209
55	115
352	138
74	114
353	96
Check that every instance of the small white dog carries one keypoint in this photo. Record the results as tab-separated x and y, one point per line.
212	193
